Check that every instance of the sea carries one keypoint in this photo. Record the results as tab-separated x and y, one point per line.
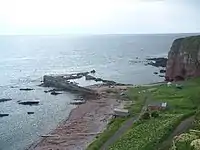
24	60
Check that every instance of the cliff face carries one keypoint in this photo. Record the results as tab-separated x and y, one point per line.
184	59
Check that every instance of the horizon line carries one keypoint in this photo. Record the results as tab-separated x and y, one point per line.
93	34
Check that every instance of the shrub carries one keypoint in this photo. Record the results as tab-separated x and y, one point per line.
155	114
146	116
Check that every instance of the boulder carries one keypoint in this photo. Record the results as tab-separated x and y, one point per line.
30	113
162	71
93	71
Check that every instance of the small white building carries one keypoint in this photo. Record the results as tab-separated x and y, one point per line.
121	112
169	84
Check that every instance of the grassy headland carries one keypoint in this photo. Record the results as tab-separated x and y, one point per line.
149	134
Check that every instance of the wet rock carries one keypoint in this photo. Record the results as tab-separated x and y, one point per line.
79	99
55	93
98	79
4	115
108	82
29	102
162	76
5	99
83	73
93	71
26	89
89	77
77	102
162	71
75	76
53	90
30	113
157	62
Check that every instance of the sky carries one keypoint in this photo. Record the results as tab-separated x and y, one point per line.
19	17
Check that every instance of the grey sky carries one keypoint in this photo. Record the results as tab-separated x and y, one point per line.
99	16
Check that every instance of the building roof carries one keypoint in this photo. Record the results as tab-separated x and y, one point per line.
159	104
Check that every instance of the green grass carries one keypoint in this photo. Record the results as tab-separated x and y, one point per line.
148	134
180	101
184	142
145	135
138	100
103	137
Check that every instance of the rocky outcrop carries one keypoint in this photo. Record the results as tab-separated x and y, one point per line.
26	89
61	82
28	102
4	115
183	59
157	62
5	99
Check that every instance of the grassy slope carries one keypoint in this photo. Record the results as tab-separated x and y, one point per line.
146	134
181	102
183	142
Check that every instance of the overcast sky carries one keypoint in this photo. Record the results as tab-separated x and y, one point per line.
99	16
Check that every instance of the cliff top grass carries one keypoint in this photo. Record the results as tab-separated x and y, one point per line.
189	44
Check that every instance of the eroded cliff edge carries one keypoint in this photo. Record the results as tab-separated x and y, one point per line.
183	59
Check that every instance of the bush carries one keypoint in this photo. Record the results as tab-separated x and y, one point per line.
146	116
155	114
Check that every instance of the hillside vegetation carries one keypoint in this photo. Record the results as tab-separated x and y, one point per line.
149	134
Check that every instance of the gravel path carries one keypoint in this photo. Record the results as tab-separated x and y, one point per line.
124	128
181	128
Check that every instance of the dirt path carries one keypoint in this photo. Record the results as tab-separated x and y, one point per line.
181	128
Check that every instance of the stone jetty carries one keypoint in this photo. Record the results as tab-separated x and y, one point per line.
63	82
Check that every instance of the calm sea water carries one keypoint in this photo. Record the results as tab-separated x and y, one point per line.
25	59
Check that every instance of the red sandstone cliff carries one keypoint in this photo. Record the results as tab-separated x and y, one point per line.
184	59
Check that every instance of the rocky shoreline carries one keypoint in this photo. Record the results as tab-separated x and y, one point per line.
85	122
91	115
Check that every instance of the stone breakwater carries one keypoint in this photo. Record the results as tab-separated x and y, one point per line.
62	82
